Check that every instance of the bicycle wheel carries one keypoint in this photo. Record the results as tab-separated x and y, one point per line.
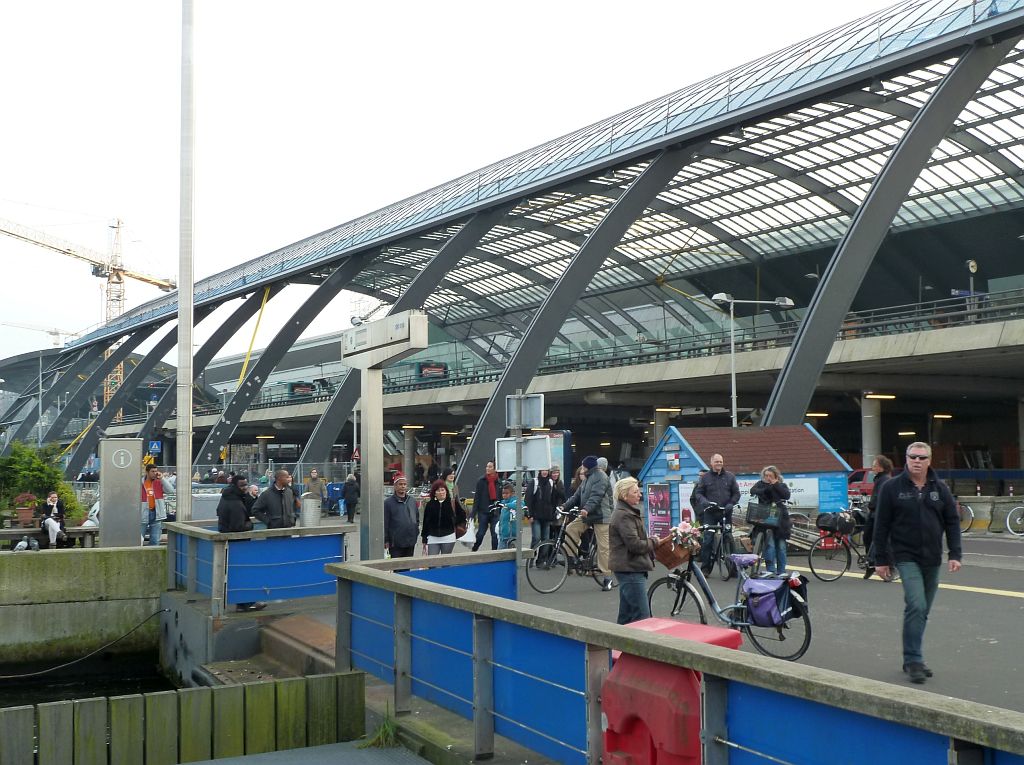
967	517
591	563
675	598
726	568
1015	521
790	641
548	568
829	558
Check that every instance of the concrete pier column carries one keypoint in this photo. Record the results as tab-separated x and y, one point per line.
660	425
870	430
1020	432
446	458
409	454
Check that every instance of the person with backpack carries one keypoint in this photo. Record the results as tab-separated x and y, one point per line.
539	508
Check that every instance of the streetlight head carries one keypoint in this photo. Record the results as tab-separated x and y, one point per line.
784	302
721	297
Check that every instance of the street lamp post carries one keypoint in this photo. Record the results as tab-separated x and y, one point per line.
724	297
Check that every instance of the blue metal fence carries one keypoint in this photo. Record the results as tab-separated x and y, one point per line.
534	675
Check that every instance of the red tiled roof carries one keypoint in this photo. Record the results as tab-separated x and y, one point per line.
791	448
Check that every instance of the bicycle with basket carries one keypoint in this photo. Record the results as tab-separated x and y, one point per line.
832	554
770	610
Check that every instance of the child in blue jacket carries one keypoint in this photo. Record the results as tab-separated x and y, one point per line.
507	523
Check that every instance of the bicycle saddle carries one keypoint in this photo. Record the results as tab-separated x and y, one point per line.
743	560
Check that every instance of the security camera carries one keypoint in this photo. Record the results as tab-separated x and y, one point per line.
356	321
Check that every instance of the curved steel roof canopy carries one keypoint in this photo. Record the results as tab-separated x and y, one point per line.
783	151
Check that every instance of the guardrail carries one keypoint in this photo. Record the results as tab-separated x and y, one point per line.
266	564
187	725
914	317
534	675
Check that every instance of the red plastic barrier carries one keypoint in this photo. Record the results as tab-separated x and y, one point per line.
652	710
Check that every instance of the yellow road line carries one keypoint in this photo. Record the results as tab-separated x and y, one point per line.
942	585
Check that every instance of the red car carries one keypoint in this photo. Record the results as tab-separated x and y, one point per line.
861	482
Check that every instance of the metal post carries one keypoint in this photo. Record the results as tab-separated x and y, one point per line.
183	383
713	714
732	356
218	579
517	432
403	654
483	688
373	460
597	671
343	632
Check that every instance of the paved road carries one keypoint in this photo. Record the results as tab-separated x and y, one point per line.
972	643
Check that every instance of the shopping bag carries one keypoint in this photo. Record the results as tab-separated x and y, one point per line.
469	538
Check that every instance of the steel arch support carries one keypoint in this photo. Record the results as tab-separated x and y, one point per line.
548	319
849	263
84	361
318	447
116	356
205	355
221	433
138	375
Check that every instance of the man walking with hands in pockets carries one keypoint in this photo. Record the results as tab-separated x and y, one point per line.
913	511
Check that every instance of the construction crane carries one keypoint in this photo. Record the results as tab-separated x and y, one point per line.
59	335
109	267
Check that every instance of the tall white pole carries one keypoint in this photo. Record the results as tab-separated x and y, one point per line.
732	356
183	429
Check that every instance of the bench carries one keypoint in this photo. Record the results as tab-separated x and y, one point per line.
87	534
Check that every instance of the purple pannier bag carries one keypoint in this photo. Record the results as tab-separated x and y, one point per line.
768	601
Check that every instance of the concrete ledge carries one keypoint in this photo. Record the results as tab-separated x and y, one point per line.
59	631
81	576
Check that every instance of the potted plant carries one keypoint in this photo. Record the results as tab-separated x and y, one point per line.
25	507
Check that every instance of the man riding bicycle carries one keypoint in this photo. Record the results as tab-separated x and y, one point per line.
716	487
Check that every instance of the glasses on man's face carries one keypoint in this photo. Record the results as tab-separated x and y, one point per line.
918	456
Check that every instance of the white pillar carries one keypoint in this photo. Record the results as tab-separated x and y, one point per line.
870	430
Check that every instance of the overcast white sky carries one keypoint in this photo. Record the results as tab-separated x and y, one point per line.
309	113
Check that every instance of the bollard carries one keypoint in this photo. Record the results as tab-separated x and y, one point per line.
310	513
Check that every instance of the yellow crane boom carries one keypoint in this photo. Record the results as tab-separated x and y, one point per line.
107	267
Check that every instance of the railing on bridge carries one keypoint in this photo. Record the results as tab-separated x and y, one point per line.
266	564
914	317
445	633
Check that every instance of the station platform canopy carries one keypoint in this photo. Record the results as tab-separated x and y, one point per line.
783	150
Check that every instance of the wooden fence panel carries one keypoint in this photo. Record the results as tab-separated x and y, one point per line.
228	721
351	705
90	731
127	730
56	726
195	724
17	737
260	712
321	710
162	728
291	713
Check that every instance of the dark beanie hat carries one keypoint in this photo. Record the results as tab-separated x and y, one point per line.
590	462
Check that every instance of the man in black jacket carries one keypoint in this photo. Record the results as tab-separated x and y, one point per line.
278	506
914	510
233	516
717	486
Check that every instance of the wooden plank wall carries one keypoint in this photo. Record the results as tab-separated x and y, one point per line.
188	725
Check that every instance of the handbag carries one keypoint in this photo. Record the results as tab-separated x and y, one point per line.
468	535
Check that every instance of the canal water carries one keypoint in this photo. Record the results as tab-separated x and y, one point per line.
103	675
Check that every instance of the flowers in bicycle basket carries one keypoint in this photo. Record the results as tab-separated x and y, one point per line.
685	535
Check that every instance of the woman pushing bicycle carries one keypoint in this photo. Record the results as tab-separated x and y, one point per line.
772	490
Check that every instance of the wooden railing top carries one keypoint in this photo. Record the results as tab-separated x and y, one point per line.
201	530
